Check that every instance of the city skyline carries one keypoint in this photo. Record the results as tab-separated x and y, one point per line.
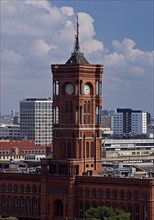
117	34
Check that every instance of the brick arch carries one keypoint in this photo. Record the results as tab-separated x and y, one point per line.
58	208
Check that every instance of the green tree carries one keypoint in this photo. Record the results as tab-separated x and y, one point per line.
106	213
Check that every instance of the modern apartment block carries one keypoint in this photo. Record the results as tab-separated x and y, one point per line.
128	121
36	120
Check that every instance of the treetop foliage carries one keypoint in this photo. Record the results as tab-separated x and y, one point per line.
106	213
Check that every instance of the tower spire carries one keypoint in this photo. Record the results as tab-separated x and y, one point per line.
77	46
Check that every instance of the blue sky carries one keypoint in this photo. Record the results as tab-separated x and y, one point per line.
118	34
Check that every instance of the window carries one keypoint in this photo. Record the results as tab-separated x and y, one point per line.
28	205
3	187
87	192
114	194
80	204
28	188
145	195
122	194
34	189
129	195
87	150
21	188
87	205
94	204
15	188
93	192
107	193
137	211
136	195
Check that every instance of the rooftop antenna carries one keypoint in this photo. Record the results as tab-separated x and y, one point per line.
77	46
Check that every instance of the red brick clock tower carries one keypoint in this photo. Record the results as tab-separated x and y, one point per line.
77	108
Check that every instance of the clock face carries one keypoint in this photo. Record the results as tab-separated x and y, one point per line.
86	89
69	89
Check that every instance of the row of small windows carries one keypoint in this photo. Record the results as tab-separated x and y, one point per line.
113	194
20	189
83	114
67	150
14	204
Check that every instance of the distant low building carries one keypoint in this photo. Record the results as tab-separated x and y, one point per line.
9	132
21	150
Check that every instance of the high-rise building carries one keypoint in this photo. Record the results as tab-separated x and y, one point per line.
128	121
36	120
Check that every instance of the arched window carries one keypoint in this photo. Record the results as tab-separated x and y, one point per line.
100	204
97	88
58	207
97	115
3	203
87	150
80	205
22	204
145	210
9	203
80	114
28	205
15	199
92	150
122	206
88	112
34	205
85	113
137	211
87	205
129	209
114	205
94	204
107	204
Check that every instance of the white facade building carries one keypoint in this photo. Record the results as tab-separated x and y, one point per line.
36	120
128	121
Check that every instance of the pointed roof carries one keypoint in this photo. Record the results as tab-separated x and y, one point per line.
77	57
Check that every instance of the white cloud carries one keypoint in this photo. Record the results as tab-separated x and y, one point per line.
67	10
36	34
10	57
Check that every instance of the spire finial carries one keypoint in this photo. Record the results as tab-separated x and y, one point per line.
77	46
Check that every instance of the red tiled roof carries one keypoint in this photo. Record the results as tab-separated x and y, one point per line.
20	144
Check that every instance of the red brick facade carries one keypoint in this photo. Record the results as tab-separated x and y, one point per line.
35	196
